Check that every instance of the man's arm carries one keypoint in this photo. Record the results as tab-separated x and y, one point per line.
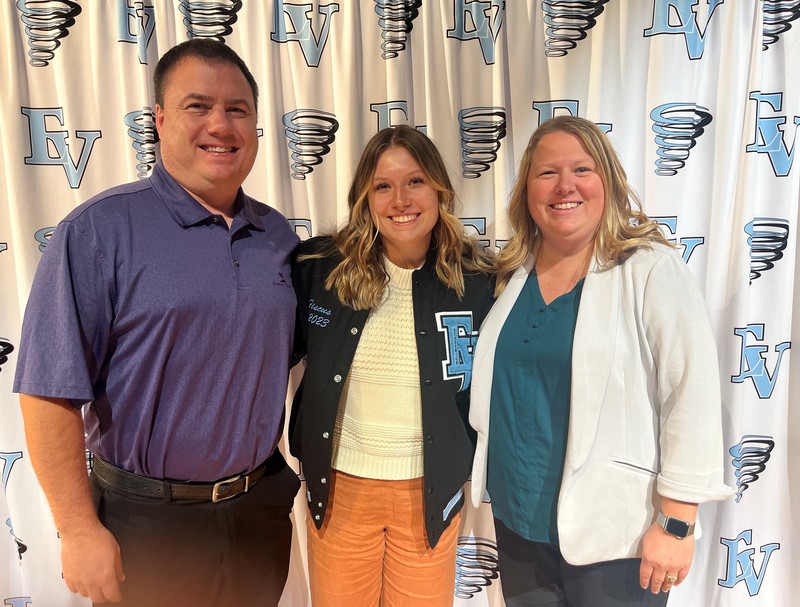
90	556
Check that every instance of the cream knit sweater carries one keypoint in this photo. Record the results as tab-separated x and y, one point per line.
378	432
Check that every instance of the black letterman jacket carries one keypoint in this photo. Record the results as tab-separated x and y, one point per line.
327	335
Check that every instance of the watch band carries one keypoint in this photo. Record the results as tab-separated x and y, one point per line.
675	526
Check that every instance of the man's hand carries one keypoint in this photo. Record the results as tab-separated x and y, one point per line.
92	564
90	556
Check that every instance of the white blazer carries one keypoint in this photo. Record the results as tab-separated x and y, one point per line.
645	410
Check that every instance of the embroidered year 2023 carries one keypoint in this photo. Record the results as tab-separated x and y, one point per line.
317	315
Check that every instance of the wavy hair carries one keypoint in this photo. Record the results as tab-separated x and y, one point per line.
623	226
360	278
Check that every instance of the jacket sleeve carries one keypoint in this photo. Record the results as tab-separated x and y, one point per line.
687	383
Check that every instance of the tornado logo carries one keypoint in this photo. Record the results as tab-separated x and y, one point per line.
21	547
46	23
142	130
6	348
778	17
677	126
568	22
767	238
209	18
750	459
310	134
396	20
476	566
482	128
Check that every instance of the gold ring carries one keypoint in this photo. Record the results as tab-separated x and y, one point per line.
672	578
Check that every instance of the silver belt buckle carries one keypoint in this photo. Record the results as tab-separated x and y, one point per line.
225	484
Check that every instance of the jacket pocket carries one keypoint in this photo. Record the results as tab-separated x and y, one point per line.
633	466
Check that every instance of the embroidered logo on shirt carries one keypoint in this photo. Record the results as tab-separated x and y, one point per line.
460	342
282	282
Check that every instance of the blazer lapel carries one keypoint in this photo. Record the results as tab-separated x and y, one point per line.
592	357
494	321
483	362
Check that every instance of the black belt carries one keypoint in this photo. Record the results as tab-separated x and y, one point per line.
144	486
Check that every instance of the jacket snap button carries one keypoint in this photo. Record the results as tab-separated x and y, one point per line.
337	378
325	435
323	480
316	517
353	331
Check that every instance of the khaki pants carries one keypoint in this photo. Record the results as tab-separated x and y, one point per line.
372	548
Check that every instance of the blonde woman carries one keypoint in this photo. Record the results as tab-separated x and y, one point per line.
595	395
389	310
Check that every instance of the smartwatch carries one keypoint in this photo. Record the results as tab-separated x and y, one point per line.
675	526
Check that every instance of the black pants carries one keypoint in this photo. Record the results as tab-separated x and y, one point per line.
533	573
200	554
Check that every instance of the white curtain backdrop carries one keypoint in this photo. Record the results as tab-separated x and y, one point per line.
700	97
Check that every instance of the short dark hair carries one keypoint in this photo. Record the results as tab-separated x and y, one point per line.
205	49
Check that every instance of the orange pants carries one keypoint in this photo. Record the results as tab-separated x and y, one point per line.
371	549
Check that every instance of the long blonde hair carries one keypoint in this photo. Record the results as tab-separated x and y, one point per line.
360	278
623	226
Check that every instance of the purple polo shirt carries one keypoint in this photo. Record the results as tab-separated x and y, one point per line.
176	330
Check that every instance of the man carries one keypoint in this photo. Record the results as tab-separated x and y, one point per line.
167	306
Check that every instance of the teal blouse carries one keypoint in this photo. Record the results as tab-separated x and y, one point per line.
530	411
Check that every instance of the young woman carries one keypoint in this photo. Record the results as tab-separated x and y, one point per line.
389	310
